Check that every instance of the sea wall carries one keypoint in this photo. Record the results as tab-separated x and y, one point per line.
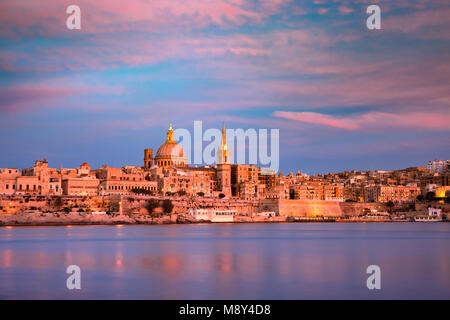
314	208
137	204
309	208
15	204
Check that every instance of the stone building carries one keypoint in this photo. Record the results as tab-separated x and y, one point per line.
8	180
395	193
39	179
268	178
124	180
80	186
189	181
240	174
317	191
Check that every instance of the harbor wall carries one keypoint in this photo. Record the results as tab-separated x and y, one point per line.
137	204
132	204
315	208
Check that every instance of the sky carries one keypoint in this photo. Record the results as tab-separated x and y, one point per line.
343	97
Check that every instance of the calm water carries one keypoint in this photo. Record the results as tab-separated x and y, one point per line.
245	261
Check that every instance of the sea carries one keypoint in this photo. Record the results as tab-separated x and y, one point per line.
227	261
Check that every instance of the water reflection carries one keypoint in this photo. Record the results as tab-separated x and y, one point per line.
276	261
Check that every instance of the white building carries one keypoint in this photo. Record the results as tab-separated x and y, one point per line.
266	214
431	187
437	166
213	215
434	212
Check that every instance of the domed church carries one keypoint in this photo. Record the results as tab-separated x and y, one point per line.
170	153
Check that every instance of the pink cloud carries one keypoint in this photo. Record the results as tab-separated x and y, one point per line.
14	98
345	10
416	23
390	83
24	97
373	121
128	49
251	61
48	17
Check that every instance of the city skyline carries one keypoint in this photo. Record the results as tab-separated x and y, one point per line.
344	97
140	163
232	160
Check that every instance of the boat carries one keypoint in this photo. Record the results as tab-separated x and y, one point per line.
213	215
427	219
376	216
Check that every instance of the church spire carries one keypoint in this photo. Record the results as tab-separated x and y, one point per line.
223	154
224	136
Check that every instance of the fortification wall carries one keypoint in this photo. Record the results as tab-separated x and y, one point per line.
313	208
15	204
309	208
136	204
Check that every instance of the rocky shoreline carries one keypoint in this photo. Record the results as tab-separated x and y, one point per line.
77	218
83	218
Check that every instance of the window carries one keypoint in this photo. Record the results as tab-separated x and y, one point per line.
7	186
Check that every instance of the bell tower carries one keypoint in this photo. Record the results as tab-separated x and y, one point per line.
223	170
148	158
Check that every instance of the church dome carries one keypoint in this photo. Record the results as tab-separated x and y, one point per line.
170	153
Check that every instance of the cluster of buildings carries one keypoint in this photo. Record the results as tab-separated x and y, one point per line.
167	173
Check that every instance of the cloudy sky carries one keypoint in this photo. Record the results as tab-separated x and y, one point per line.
344	97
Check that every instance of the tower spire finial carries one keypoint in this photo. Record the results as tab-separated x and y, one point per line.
170	137
223	154
224	136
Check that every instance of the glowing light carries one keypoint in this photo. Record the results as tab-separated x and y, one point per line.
441	193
